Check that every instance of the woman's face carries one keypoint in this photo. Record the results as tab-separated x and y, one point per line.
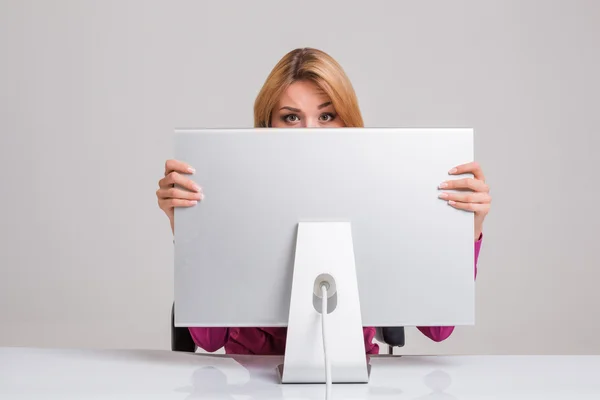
305	105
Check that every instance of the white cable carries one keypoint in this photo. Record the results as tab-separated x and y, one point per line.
325	346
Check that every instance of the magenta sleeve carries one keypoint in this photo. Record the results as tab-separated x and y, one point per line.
210	339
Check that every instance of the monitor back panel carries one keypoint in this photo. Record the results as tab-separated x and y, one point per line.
234	251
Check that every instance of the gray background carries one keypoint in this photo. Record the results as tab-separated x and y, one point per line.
90	92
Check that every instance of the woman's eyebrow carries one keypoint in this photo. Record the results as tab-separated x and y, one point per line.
290	108
324	105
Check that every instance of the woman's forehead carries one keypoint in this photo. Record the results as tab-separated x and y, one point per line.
304	93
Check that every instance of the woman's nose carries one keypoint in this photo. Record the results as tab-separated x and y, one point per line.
312	123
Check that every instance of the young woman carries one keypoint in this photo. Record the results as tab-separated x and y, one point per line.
308	88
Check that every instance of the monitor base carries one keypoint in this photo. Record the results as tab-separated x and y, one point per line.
280	375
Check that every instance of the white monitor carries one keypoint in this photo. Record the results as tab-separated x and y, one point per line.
235	251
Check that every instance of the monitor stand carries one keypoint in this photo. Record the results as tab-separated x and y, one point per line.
324	250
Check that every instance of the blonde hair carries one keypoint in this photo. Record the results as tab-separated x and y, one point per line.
310	65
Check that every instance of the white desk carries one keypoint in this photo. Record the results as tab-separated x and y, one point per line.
27	373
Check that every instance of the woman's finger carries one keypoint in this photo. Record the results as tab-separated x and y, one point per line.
465	184
178	166
467	197
473	207
175	178
472	168
175	193
172	203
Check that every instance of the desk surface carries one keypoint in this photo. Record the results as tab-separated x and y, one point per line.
27	373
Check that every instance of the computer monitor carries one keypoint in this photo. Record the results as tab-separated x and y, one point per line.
235	251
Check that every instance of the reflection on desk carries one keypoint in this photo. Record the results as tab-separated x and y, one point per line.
27	373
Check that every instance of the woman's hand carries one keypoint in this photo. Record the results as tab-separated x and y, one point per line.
175	190
473	195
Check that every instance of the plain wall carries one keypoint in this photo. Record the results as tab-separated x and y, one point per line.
90	93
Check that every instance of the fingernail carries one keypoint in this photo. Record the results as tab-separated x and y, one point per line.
196	187
453	171
452	202
443	196
193	202
201	196
443	185
191	170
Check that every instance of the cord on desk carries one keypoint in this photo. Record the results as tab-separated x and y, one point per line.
325	343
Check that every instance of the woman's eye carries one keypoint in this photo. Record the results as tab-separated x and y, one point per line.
291	118
327	117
